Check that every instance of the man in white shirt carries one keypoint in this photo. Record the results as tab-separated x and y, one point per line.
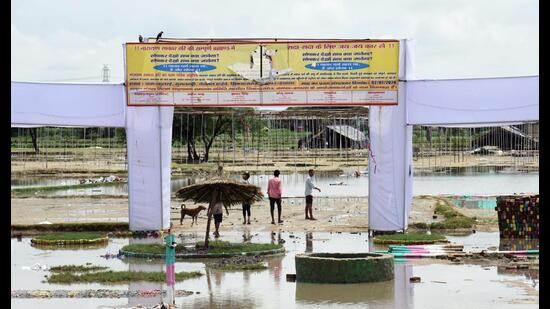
309	195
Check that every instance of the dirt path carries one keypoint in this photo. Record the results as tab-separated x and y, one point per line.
333	214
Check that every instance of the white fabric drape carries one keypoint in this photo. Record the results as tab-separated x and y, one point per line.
390	170
149	138
473	102
68	105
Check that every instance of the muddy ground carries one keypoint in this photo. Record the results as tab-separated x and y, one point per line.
333	214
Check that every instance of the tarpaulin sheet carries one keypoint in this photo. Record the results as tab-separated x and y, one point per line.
149	138
473	102
390	169
67	105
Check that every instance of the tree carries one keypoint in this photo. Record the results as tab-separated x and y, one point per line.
34	139
202	128
221	122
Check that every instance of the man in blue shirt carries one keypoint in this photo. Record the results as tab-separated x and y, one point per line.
309	197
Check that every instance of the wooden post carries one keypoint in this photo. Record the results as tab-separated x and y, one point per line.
209	212
208	225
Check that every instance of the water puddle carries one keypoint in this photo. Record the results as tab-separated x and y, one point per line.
459	183
442	286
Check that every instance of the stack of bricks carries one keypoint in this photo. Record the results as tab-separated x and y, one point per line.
518	216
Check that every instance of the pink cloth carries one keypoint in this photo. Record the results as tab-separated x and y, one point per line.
170	274
274	187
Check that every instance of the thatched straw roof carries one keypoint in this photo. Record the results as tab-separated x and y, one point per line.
228	191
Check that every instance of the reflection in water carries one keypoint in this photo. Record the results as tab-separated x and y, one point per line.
530	274
144	286
403	287
279	240
459	183
309	242
216	297
518	244
246	236
395	294
275	266
138	264
355	293
467	286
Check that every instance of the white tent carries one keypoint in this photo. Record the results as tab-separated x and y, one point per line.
465	102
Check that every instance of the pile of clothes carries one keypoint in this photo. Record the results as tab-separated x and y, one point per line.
518	216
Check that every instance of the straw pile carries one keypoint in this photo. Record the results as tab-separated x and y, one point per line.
228	191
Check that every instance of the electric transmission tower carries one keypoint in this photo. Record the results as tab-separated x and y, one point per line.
105	73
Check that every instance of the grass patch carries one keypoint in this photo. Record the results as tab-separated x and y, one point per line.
76	268
419	225
117	277
18	192
147	248
73	227
409	238
453	218
71	236
216	247
462	222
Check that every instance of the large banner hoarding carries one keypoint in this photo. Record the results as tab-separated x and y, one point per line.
244	73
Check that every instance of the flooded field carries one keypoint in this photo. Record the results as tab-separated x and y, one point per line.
442	285
461	182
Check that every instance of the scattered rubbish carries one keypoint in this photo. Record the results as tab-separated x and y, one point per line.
111	255
341	183
291	277
36	266
99	293
424	251
414	279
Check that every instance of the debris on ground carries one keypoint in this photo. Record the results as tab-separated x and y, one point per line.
100	293
239	263
36	266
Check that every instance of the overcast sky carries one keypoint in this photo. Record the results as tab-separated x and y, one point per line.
70	40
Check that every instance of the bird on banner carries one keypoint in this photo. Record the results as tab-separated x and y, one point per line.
159	35
140	39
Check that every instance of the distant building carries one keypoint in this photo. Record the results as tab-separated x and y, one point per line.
510	138
342	136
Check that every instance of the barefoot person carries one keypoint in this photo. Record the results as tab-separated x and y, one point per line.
309	194
274	192
246	206
217	212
